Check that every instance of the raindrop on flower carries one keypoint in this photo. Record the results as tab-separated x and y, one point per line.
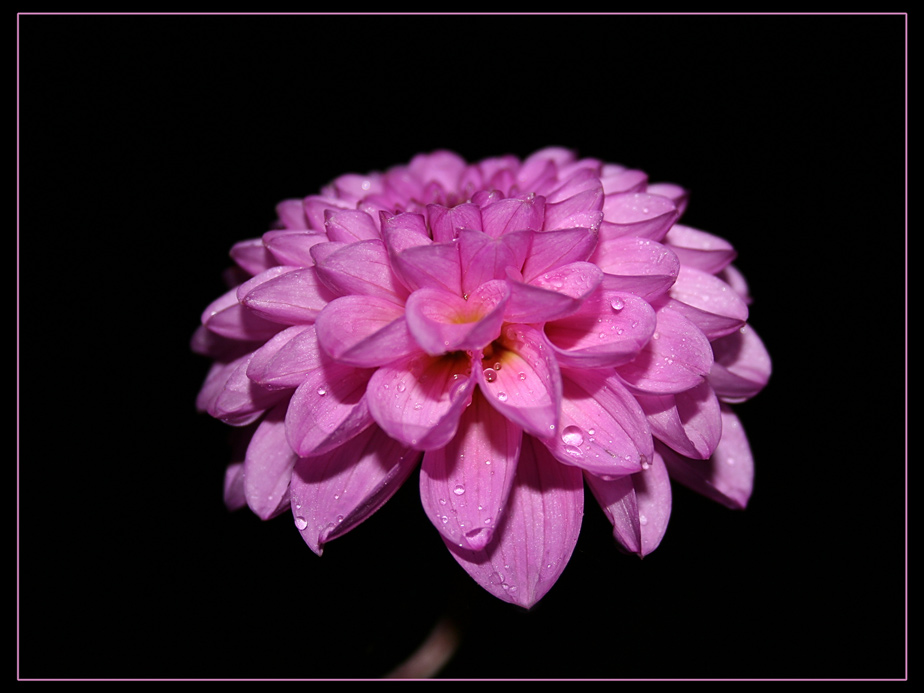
401	387
642	520
490	375
301	522
572	435
459	490
322	391
617	304
502	396
521	375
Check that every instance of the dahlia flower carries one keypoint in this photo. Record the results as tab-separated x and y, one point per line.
515	329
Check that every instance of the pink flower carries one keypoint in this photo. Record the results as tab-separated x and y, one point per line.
514	328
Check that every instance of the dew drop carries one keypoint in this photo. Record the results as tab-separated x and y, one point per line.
490	375
656	335
322	391
339	519
502	396
444	519
617	304
642	520
572	435
497	366
442	501
573	451
401	387
459	490
417	406
301	522
591	431
521	376
645	463
487	520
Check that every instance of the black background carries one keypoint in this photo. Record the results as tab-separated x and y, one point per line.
149	144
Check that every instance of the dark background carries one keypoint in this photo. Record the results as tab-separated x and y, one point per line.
148	145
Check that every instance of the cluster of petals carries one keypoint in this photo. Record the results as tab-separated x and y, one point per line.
514	330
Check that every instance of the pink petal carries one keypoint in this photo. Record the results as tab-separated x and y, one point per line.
676	194
464	485
252	256
316	205
638	506
293	247
350	225
234	487
552	249
602	428
581	181
239	401
582	210
284	360
742	365
328	408
513	214
520	378
442	322
291	214
618	179
711	304
443	167
418	401
485	258
637	265
677	357
226	316
447	222
728	476
690	422
435	265
292	298
637	214
364	331
268	466
360	268
699	249
334	493
536	537
553	295
608	329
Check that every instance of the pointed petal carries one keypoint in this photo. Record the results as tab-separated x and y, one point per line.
350	225
364	331
537	535
293	248
602	428
676	194
284	360
581	210
234	487
485	258
513	214
464	485
677	357
316	205
435	265
328	408
446	222
552	249
520	378
711	304
226	316
638	506
403	231
552	295
291	215
333	493
238	400
742	365
442	322
618	179
268	466
418	401
699	249
292	298
638	214
252	256
690	422
360	268
608	329
637	265
728	476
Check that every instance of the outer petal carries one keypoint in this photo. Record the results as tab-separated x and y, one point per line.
361	268
350	225
447	222
690	422
293	247
711	304
238	400
464	486
602	428
742	365
677	357
699	249
727	476
334	493
581	210
227	317
418	401
234	487
637	214
520	378
638	506
637	265
292	298
251	256
285	360
268	466
364	331
535	539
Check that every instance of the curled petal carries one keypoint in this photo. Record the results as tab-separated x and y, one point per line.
435	266
360	268
252	256
485	258
552	249
333	493
350	225
536	537
292	298
364	331
513	214
728	476
637	265
237	400
637	214
419	400
677	357
447	222
464	485
638	506
711	304
690	422
608	329
442	322
699	249
226	316
742	365
284	361
520	378
293	248
268	466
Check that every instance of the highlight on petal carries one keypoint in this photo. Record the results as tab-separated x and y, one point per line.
536	537
268	466
728	476
333	493
638	506
364	331
419	400
742	365
464	485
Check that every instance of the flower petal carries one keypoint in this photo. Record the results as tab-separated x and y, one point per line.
238	400
638	506
233	494
690	422
608	329
677	357
698	249
513	214
292	298
251	256
364	331
536	537
360	268
583	209
742	365
293	248
637	265
552	249
284	360
350	225
602	428
227	317
728	476
435	265
711	304
637	214
485	258
419	400
520	378
446	222
333	493
464	485
268	466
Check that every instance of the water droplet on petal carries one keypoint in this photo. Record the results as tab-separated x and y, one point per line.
497	366
572	435
502	396
322	391
301	522
642	520
521	376
401	387
444	519
459	490
617	304
656	335
490	375
645	463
